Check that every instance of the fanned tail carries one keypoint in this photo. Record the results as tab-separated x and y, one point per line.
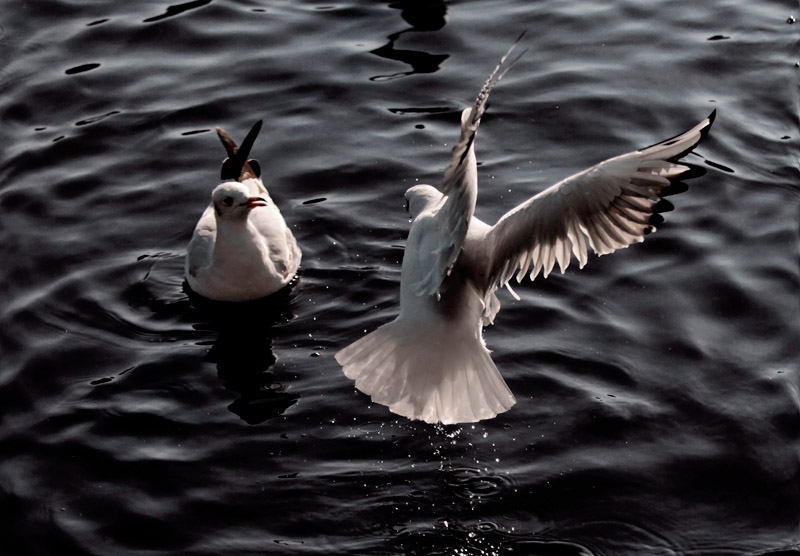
439	376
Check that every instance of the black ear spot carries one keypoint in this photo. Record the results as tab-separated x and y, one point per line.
227	201
255	166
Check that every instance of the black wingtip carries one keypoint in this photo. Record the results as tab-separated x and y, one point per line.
703	128
237	161
706	129
247	144
229	170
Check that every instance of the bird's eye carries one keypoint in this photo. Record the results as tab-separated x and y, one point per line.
227	201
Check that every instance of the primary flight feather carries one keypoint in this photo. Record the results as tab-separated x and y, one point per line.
431	362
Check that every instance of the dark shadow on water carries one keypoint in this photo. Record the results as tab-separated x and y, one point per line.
424	17
243	352
33	530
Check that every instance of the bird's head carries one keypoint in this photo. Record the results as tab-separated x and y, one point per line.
232	201
420	198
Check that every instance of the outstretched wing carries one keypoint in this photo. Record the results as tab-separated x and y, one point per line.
460	185
606	207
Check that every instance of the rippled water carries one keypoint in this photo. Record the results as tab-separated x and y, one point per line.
658	392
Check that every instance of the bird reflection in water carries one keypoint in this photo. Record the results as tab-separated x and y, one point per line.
422	16
243	353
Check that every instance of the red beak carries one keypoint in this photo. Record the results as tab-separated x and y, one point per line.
254	202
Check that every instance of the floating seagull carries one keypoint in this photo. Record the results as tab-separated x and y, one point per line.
241	248
431	362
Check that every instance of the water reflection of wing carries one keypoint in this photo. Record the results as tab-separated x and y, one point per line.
420	62
422	16
243	355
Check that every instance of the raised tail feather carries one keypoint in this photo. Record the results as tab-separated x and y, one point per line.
437	376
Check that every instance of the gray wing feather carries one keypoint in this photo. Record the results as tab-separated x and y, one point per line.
606	207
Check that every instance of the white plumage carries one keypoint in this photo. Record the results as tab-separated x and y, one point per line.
241	248
431	362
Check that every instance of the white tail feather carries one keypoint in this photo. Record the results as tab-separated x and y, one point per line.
437	376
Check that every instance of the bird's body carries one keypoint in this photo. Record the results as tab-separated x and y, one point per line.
241	249
431	362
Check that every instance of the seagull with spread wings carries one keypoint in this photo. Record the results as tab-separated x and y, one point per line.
431	362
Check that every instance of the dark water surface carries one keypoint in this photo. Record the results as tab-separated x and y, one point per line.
658	392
